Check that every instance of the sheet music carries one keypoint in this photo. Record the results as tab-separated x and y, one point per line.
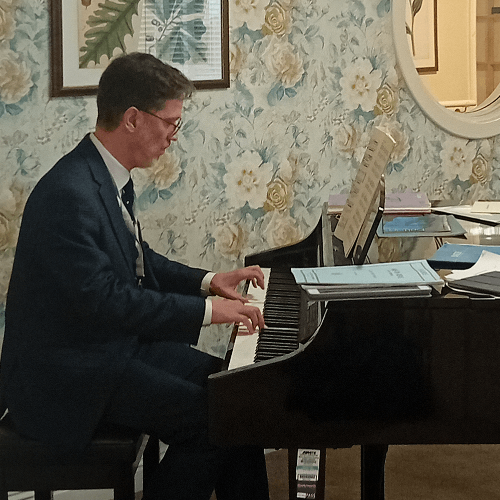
338	278
364	187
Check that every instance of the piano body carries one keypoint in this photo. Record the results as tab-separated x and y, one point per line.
373	373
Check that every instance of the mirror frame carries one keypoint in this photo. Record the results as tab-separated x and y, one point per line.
477	124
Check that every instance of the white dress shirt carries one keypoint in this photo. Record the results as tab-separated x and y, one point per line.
120	177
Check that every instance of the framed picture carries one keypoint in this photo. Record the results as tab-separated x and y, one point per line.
421	29
192	35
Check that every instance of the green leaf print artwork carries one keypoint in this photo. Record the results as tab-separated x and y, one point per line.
108	26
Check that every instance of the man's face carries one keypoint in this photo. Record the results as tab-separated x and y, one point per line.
157	130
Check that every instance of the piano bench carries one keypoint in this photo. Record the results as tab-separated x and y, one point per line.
110	462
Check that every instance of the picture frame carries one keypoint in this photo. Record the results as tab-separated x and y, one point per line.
421	30
72	74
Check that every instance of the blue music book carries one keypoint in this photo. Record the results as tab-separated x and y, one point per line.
418	226
459	256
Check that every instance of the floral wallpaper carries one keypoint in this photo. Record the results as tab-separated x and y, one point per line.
253	163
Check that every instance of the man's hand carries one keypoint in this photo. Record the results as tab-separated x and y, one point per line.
225	284
234	311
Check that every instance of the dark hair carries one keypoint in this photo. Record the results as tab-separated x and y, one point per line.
139	80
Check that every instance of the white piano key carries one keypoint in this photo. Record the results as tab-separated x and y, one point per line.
243	350
245	344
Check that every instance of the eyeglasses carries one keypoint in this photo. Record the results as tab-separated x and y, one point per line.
177	124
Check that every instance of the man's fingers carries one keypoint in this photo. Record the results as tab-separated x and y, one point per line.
251	319
255	316
258	279
247	324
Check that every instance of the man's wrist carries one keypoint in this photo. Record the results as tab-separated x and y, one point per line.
205	283
207	318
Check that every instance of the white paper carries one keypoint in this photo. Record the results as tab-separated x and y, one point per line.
487	262
466	212
490	207
364	188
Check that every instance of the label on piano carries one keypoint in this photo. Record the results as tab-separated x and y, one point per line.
307	472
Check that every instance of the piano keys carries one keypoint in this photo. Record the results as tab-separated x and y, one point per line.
279	303
291	319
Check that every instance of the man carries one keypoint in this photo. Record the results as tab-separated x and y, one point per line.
98	325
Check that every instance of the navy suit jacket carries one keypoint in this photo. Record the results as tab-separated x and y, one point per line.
74	314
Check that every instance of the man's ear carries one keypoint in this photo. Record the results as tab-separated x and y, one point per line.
130	118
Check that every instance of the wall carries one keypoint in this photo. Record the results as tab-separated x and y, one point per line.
456	27
253	163
488	41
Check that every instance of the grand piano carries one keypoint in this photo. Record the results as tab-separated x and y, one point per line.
373	373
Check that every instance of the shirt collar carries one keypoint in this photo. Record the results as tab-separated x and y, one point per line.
119	173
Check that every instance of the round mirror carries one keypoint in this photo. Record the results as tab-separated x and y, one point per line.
479	122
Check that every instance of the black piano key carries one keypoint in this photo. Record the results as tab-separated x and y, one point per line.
289	316
282	315
277	338
274	351
283	301
271	332
284	335
282	294
274	305
272	319
290	290
281	329
261	356
291	308
289	305
276	342
283	311
271	322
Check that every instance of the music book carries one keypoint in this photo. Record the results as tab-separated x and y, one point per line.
422	225
408	202
459	256
336	278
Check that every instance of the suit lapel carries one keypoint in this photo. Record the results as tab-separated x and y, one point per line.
108	194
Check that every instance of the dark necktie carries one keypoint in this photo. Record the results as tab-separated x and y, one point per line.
128	198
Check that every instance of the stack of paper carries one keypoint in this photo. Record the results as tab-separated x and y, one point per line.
392	279
482	284
487	262
482	278
407	203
